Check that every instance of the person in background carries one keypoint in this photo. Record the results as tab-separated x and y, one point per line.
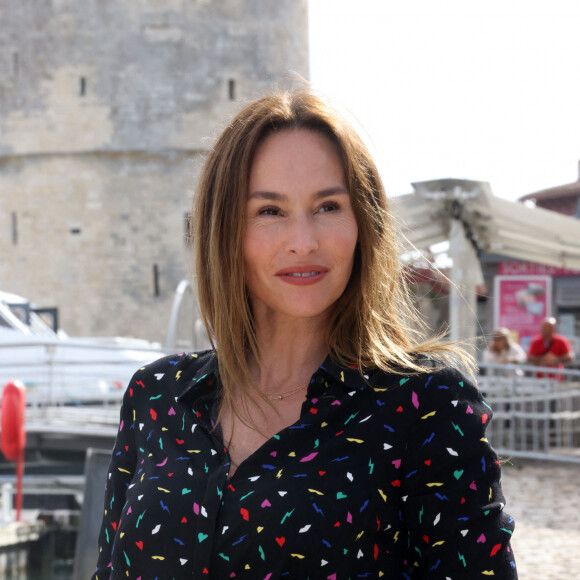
549	349
502	349
320	437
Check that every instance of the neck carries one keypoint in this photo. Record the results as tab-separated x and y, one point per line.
289	354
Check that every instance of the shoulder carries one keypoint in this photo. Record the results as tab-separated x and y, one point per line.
172	373
447	379
446	402
488	356
442	401
186	362
561	340
433	383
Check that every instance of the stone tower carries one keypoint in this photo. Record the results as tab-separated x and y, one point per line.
106	108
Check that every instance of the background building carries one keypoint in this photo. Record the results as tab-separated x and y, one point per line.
564	199
106	109
523	292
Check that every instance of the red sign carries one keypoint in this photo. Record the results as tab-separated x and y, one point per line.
533	269
521	303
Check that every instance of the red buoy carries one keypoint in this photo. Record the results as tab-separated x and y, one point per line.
13	433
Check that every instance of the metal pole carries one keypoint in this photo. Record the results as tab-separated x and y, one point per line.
465	275
19	478
7	502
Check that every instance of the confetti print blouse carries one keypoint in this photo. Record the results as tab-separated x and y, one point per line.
387	478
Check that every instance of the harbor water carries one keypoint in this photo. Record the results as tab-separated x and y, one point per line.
54	514
57	570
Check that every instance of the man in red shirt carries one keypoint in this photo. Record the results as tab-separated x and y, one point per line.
549	349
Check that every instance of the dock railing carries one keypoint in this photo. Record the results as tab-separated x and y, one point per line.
536	411
74	388
72	372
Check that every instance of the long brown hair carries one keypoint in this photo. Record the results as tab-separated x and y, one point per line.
374	322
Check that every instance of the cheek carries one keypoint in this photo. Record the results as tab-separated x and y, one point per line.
346	243
250	248
256	252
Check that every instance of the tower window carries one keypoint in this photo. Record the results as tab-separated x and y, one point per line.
83	86
155	280
14	228
232	89
186	228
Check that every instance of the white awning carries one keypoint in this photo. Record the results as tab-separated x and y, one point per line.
494	225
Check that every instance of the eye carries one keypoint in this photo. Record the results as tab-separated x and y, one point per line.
328	206
269	211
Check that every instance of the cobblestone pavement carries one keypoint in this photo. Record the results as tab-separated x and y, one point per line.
544	499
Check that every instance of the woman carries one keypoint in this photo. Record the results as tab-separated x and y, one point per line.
320	438
503	350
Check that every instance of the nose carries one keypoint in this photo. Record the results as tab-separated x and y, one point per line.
302	236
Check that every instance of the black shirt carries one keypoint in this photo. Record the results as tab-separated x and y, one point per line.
389	477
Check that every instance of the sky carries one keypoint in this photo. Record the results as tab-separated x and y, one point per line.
456	88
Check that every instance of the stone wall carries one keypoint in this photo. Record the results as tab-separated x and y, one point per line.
106	109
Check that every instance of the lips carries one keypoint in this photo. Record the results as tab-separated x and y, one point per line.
302	275
302	271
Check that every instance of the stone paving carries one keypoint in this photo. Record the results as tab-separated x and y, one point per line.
544	499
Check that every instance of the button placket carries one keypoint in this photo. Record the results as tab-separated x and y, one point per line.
216	465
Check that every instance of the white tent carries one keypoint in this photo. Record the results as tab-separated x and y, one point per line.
467	214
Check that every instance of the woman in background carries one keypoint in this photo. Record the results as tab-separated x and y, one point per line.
321	437
502	349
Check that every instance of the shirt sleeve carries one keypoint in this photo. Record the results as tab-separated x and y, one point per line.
487	356
518	353
561	346
120	473
453	502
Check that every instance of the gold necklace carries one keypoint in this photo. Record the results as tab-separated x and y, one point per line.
281	396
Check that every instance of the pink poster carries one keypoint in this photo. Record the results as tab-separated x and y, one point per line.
521	303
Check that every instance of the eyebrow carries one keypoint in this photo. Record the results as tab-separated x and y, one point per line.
280	197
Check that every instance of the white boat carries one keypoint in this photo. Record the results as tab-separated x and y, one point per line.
61	370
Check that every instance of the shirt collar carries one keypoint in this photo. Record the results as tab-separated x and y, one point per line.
205	379
204	382
350	377
372	378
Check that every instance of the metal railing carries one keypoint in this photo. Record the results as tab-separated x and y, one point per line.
536	411
74	371
74	387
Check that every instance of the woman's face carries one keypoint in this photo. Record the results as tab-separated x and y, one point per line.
301	230
500	342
